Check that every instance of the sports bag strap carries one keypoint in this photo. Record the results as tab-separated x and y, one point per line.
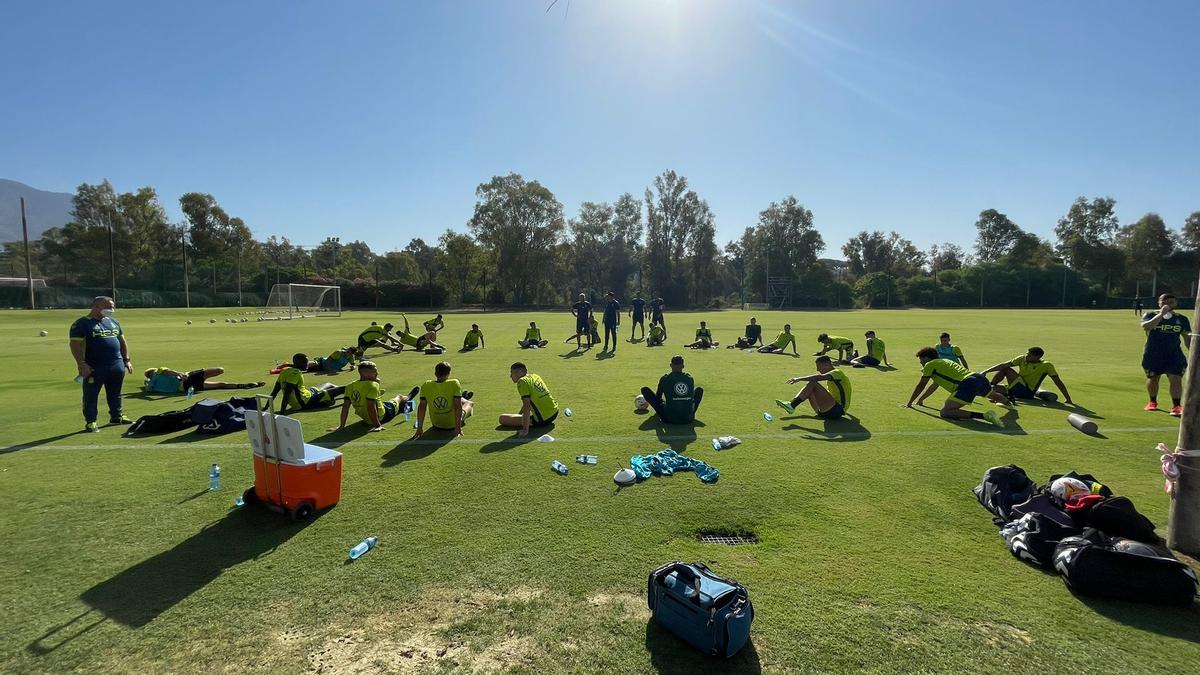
685	573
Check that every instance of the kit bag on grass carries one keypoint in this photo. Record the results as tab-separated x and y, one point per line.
218	417
1123	569
162	423
1003	487
711	613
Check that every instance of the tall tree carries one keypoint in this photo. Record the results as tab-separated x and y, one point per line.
1190	235
429	261
870	252
1147	242
463	263
703	252
521	222
670	215
946	256
1087	229
995	237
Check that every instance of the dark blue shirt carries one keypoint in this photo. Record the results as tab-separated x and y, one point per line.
1163	339
639	306
656	305
582	309
611	310
101	339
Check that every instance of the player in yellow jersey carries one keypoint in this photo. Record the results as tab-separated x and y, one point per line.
365	395
297	394
829	401
876	353
538	407
704	338
781	342
829	343
962	384
1024	375
378	336
445	401
473	339
533	337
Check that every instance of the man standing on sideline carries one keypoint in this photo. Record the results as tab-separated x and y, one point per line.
102	357
1162	355
677	398
637	315
1137	307
582	311
612	317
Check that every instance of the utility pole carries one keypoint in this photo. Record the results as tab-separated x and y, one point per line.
187	296
1183	528
112	260
28	266
1064	290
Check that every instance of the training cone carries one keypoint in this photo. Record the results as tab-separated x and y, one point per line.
1082	423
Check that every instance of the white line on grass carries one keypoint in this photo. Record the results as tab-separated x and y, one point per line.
644	438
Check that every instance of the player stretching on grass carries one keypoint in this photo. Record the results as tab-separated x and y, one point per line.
677	398
299	395
473	339
424	342
781	342
533	337
658	335
163	380
637	315
447	403
753	336
950	352
538	407
378	336
1024	381
1162	355
962	384
876	353
830	401
434	325
843	346
366	396
703	338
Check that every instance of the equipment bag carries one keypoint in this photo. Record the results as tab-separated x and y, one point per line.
1001	488
218	417
710	613
1034	537
1116	517
1091	564
162	423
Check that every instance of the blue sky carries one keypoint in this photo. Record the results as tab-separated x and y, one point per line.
377	120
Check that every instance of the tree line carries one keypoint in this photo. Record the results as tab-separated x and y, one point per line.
520	249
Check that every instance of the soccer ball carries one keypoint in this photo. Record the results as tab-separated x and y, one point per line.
641	403
43	334
1068	489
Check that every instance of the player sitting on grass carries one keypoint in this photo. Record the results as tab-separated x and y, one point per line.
1024	380
781	342
658	335
752	338
962	384
533	337
366	396
703	338
876	353
538	407
843	346
677	398
378	336
473	339
830	401
447	403
166	381
1161	355
434	325
296	394
424	342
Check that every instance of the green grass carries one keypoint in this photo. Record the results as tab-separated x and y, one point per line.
873	553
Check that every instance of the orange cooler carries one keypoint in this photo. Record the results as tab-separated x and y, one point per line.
289	474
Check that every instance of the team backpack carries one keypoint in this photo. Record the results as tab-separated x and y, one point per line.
1003	487
1124	569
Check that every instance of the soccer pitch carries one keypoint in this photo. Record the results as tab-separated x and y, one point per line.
873	553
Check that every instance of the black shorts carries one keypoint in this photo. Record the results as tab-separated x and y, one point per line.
318	398
1164	364
389	412
194	380
972	386
656	317
868	361
639	318
833	413
1019	390
542	423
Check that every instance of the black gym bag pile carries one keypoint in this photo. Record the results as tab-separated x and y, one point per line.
1106	550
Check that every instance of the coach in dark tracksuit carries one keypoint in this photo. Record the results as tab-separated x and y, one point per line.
102	357
612	318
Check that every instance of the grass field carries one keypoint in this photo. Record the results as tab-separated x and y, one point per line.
873	553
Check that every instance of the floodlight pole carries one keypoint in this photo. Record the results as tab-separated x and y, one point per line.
112	259
28	266
187	296
1183	528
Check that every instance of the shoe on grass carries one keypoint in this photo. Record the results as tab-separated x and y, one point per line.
468	394
1151	406
120	420
1176	411
1048	396
786	406
91	426
993	417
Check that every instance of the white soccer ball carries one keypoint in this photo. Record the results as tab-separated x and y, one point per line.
625	477
43	334
1069	489
641	403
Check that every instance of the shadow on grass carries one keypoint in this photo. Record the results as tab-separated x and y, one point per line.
515	441
574	353
669	654
150	395
881	368
847	428
1055	405
417	448
605	355
676	436
1181	623
332	439
38	442
1009	418
192	436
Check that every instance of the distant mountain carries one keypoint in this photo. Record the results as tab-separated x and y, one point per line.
43	210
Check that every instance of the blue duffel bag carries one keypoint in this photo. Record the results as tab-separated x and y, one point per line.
708	612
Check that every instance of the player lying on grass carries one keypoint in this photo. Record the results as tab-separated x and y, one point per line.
658	335
582	311
166	381
704	338
876	353
1162	355
299	395
342	359
538	407
950	352
533	337
366	396
446	402
962	384
473	339
434	325
378	336
752	338
1022	377
426	342
829	343
828	391
677	398
781	342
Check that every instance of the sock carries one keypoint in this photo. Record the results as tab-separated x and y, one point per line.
1154	399
1175	401
797	401
412	395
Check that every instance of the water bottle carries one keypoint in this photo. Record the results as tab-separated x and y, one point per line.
559	467
587	459
277	363
239	502
78	379
191	391
214	478
363	546
567	412
767	417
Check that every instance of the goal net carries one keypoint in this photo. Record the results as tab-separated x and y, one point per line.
293	301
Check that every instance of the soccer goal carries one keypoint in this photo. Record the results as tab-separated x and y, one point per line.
304	300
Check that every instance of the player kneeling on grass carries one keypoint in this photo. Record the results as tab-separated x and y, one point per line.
424	342
167	381
298	395
829	401
781	342
378	336
473	339
366	396
538	407
533	337
1024	380
703	338
447	403
829	343
752	338
876	353
658	335
677	398
962	384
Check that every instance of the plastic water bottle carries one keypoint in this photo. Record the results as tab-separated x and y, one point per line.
214	478
191	391
78	379
587	459
567	412
363	546
559	467
767	417
277	363
239	502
